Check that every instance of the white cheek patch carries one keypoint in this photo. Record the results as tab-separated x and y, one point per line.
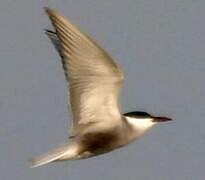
141	124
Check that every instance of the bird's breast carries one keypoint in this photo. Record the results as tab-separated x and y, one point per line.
100	142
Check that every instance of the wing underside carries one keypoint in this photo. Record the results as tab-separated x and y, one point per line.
94	78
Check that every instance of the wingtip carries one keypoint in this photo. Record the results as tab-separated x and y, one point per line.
50	12
47	31
47	9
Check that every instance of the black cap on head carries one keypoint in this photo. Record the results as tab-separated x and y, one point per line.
138	114
144	115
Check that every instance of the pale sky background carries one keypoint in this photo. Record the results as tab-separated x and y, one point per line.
160	44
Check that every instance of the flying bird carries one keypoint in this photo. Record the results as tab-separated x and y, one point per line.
95	81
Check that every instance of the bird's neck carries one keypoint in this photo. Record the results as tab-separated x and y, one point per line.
139	125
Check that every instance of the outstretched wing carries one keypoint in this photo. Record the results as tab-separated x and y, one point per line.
94	78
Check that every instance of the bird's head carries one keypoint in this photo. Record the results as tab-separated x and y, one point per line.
143	120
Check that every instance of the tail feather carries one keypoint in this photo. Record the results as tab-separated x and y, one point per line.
53	155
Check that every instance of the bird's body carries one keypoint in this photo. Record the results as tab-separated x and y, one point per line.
94	85
98	141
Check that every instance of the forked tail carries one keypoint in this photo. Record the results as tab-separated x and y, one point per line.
69	150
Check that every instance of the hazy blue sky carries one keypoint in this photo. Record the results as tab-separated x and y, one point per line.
160	44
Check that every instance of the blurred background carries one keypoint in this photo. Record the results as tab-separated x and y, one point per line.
160	45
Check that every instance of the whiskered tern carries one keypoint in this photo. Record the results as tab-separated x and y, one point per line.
94	83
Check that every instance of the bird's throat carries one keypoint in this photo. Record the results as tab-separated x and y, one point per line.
140	125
